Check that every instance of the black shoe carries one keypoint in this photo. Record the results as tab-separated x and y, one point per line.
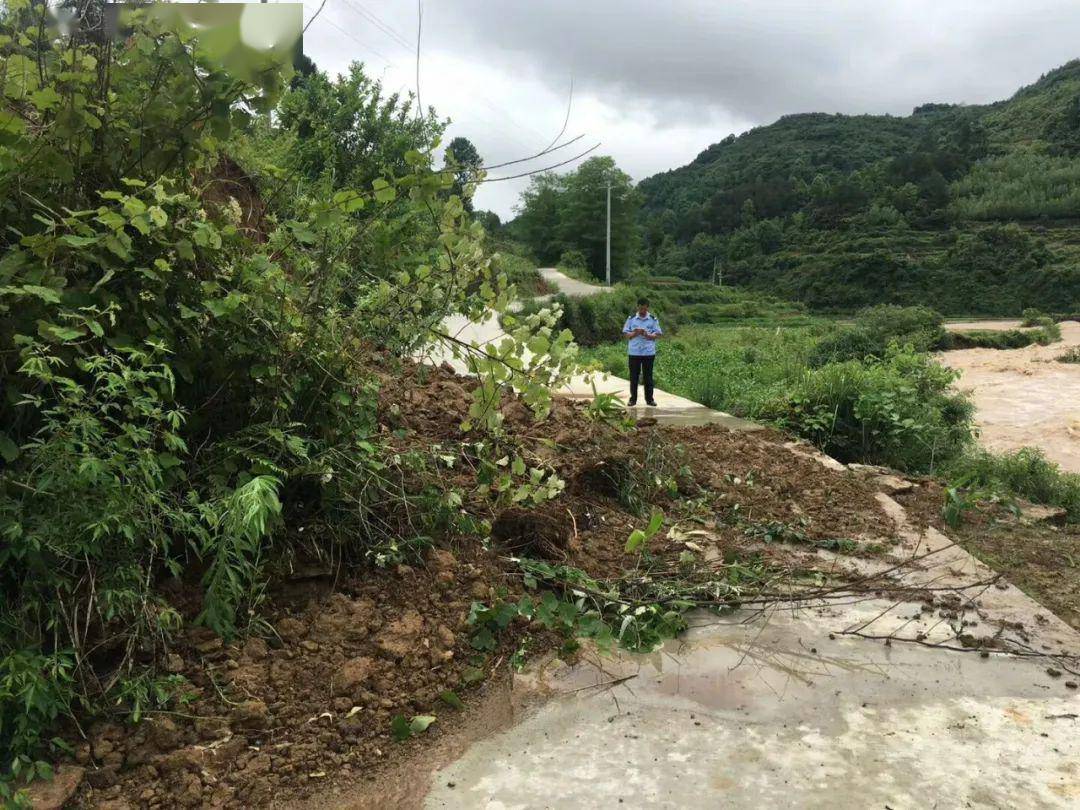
632	403
650	403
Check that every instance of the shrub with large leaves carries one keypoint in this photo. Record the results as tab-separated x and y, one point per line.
186	372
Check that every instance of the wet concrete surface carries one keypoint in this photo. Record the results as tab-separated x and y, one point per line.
765	711
851	702
694	417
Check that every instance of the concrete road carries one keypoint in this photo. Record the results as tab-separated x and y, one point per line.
787	709
763	712
671	409
570	286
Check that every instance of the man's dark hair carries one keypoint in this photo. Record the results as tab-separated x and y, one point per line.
643	302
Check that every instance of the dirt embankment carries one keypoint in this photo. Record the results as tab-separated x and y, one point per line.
276	719
1025	397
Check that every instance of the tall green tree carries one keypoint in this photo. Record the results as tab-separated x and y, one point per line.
583	223
537	221
462	158
558	213
348	131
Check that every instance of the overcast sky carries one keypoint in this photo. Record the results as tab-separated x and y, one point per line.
657	82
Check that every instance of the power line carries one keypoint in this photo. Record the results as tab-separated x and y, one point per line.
566	121
540	171
353	37
380	24
391	33
391	28
313	17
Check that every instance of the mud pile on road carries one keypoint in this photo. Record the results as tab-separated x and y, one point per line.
312	698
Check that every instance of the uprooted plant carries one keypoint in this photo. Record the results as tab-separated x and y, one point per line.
641	610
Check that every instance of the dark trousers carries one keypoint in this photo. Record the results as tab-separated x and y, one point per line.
641	366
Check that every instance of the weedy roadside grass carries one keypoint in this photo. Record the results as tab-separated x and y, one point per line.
1027	473
896	409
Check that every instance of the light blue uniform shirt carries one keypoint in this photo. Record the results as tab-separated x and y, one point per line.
638	345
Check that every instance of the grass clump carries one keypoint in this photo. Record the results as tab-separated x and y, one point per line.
897	409
1045	333
1034	317
1027	473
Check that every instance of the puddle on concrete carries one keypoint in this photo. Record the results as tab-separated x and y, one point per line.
775	713
695	417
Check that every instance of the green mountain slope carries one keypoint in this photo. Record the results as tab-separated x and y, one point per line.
974	209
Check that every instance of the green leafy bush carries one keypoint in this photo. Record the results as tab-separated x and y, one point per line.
1047	332
899	411
989	339
186	348
1026	473
876	328
1033	317
573	260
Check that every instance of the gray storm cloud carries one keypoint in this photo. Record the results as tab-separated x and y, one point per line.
759	60
659	82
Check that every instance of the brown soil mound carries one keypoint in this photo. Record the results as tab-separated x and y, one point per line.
275	719
228	182
533	532
606	477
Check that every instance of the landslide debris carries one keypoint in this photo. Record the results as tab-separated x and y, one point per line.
312	698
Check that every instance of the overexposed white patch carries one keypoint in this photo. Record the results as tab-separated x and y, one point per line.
267	26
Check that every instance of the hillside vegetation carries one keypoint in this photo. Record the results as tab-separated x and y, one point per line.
199	305
679	302
973	209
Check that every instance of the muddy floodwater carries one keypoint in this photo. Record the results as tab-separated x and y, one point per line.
1024	397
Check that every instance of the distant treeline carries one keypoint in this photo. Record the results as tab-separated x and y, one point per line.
974	209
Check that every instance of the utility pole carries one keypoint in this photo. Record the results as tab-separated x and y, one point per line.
607	262
717	273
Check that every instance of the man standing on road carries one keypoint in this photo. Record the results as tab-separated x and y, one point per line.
642	330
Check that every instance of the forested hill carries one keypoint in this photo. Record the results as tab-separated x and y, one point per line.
973	208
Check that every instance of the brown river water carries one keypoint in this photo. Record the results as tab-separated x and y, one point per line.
1024	397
